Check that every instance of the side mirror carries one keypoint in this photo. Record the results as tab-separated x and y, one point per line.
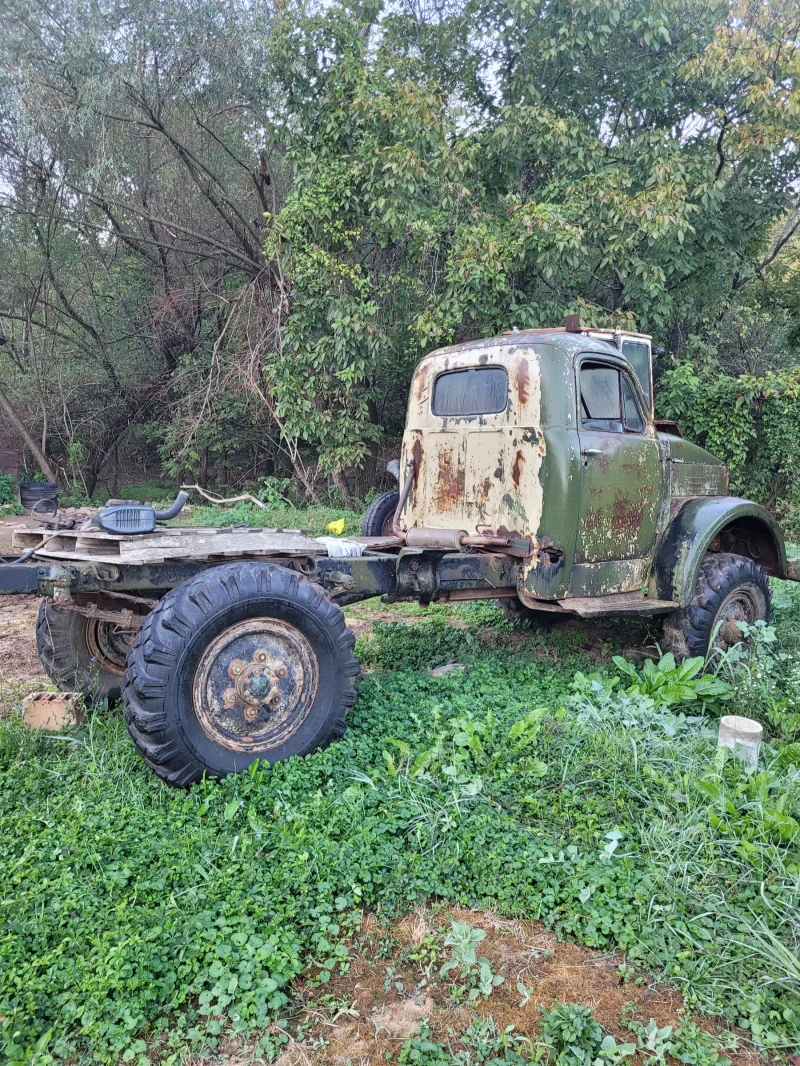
393	468
658	352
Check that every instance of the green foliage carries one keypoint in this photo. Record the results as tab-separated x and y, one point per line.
481	1044
139	918
277	492
765	677
425	175
400	646
477	980
155	492
314	520
573	1033
8	489
575	1038
669	684
686	1042
434	203
752	422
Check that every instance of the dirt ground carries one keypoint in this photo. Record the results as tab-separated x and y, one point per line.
18	658
393	985
19	661
8	523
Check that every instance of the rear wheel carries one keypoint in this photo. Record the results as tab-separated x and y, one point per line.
246	661
81	654
515	611
380	515
729	589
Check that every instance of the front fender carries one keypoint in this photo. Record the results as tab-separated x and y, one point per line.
692	531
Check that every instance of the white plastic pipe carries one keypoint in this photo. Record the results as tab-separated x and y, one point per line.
742	736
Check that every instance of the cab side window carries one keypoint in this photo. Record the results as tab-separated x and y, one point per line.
608	402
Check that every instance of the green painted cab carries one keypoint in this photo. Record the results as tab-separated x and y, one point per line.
549	438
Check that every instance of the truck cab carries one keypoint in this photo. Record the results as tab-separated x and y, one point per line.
549	437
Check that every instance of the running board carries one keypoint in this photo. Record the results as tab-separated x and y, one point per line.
617	603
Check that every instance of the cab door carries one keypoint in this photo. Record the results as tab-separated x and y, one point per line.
621	481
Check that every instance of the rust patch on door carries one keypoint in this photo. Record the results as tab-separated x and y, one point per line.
416	453
516	469
547	559
523	382
420	382
627	516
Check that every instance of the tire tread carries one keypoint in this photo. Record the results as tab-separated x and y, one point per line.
688	631
378	512
169	626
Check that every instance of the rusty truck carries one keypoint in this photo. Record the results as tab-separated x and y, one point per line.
532	472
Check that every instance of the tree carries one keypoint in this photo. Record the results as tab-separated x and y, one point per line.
133	185
229	234
627	161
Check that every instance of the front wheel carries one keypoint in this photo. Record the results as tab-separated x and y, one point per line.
729	589
245	661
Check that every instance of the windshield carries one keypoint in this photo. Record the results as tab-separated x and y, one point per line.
638	355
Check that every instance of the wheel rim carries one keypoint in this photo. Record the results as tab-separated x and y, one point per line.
255	684
387	530
738	606
108	645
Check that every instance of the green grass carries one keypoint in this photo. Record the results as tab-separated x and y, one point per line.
140	920
314	520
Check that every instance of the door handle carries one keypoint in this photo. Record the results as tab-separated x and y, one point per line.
591	451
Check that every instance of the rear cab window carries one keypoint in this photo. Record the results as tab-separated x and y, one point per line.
470	392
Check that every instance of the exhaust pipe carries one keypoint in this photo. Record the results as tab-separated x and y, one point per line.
402	501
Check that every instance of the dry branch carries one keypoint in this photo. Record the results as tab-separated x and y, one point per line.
213	498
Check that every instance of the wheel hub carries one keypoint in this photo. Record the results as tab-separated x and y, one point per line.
108	645
255	684
737	607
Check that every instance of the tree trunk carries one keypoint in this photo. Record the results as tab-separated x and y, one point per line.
35	450
341	484
304	480
115	481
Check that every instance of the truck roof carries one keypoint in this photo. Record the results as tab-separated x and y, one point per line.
562	338
583	331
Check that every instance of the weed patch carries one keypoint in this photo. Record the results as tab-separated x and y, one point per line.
140	921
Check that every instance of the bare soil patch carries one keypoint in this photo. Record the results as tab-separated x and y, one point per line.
19	660
364	1017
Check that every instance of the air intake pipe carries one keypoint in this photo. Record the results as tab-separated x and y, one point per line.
174	509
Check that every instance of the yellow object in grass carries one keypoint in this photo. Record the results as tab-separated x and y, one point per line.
336	527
